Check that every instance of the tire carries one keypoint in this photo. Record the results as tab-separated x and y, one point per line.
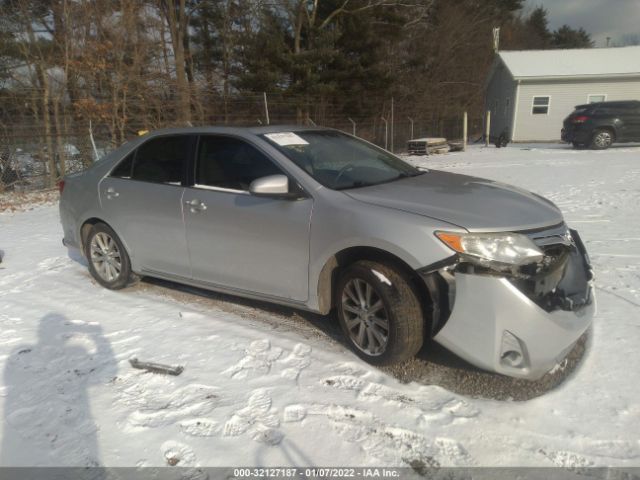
601	139
109	263
397	303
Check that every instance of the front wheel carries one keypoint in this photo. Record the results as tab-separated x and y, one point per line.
108	261
379	313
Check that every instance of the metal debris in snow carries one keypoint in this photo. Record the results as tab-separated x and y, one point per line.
156	367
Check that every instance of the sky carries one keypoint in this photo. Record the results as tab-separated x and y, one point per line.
600	18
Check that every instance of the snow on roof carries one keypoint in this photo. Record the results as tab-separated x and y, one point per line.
573	63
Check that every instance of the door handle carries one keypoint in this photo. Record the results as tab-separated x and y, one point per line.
111	193
196	205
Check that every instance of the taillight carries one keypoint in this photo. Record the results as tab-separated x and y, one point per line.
61	185
580	119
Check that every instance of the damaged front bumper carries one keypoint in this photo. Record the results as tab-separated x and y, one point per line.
516	325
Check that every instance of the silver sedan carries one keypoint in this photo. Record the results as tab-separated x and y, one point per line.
320	220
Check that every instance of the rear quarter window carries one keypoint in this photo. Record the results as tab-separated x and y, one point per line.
123	169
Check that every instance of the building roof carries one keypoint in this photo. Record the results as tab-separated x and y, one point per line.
579	62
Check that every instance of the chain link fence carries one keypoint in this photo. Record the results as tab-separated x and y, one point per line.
32	159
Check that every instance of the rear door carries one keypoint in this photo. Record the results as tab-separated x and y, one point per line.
142	201
240	241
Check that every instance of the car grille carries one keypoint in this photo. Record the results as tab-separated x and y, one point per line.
561	279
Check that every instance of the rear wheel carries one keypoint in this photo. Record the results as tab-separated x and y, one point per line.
602	139
379	313
109	263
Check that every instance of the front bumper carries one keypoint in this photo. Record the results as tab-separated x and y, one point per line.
489	312
517	327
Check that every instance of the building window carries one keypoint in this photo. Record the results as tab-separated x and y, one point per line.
540	105
596	98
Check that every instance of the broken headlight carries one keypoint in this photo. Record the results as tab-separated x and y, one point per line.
488	249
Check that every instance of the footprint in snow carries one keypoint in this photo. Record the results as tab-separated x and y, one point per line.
257	361
257	419
388	443
566	459
296	361
178	454
260	358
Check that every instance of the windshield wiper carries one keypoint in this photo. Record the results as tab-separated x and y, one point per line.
407	175
355	185
361	184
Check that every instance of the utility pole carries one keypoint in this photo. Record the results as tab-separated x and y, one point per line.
386	133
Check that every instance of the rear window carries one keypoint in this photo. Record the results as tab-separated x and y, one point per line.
162	160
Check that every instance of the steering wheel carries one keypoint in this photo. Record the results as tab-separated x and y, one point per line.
342	171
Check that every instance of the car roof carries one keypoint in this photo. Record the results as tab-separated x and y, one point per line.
257	130
618	103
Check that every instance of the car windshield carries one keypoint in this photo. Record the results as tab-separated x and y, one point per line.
339	161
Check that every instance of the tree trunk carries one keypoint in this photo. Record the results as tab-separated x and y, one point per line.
175	12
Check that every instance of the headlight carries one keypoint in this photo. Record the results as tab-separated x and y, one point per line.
484	248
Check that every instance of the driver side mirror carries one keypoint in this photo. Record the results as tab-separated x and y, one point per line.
270	186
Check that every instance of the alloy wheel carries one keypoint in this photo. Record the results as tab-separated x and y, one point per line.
105	257
602	139
365	317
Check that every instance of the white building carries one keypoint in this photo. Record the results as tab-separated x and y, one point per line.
530	92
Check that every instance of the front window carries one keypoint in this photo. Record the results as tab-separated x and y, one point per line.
540	105
339	161
230	164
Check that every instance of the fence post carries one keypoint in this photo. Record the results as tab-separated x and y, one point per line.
487	132
386	133
93	143
354	126
266	107
464	132
392	122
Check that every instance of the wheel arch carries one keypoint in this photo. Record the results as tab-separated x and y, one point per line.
333	266
86	226
609	128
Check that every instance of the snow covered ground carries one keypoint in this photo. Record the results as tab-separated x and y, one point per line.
256	393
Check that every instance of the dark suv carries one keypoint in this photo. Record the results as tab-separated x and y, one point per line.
598	125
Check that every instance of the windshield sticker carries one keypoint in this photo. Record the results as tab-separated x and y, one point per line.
285	139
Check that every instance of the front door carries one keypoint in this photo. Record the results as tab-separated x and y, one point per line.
142	201
240	241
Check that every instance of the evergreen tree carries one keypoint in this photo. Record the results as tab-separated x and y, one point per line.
567	37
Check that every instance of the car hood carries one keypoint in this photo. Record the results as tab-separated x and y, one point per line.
473	203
